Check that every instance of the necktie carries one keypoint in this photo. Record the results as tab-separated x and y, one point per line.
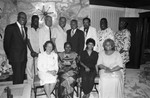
50	33
22	31
85	32
72	32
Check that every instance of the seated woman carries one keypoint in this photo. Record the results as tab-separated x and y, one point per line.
68	72
47	68
88	60
111	75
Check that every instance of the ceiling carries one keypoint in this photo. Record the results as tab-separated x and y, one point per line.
145	4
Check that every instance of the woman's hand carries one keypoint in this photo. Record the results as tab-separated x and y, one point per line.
53	72
108	70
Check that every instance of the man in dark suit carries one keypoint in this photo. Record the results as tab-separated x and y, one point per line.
15	46
75	37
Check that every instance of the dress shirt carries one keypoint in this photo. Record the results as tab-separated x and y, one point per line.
44	36
21	30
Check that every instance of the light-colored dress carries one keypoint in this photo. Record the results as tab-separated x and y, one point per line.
102	36
122	42
47	62
111	84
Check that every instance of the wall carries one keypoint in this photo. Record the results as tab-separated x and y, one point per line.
71	9
112	14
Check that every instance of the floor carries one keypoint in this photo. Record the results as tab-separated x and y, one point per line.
135	86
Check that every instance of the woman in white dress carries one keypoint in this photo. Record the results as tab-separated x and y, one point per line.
111	75
48	68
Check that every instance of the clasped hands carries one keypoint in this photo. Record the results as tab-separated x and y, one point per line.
53	72
108	70
34	54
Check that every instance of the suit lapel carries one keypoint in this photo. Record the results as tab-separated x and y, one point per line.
19	32
74	33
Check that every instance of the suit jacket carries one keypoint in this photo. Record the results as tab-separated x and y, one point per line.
15	46
91	34
77	40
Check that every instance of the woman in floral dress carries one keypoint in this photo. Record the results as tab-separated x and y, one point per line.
122	41
68	72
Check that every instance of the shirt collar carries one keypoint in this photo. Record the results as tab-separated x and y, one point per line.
74	30
18	24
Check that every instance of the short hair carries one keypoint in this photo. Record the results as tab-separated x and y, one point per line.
90	40
33	17
62	18
74	20
104	19
86	18
67	43
46	43
47	16
20	14
112	43
125	24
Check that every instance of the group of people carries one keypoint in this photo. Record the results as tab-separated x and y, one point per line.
62	54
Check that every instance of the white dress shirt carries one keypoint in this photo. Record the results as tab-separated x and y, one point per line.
91	34
20	27
44	35
60	37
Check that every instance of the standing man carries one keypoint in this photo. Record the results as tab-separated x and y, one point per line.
59	35
15	46
105	33
75	37
45	32
89	32
33	35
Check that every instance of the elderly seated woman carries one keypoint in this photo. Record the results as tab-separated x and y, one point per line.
48	67
111	73
68	72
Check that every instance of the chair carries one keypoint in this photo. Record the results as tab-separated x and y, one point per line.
77	85
96	82
36	84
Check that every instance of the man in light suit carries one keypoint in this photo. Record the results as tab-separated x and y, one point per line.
75	37
89	32
15	47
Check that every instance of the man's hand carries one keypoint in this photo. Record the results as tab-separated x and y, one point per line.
34	54
87	69
53	72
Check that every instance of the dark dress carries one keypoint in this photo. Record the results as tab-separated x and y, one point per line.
88	77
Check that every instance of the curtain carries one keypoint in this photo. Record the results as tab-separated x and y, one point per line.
111	13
